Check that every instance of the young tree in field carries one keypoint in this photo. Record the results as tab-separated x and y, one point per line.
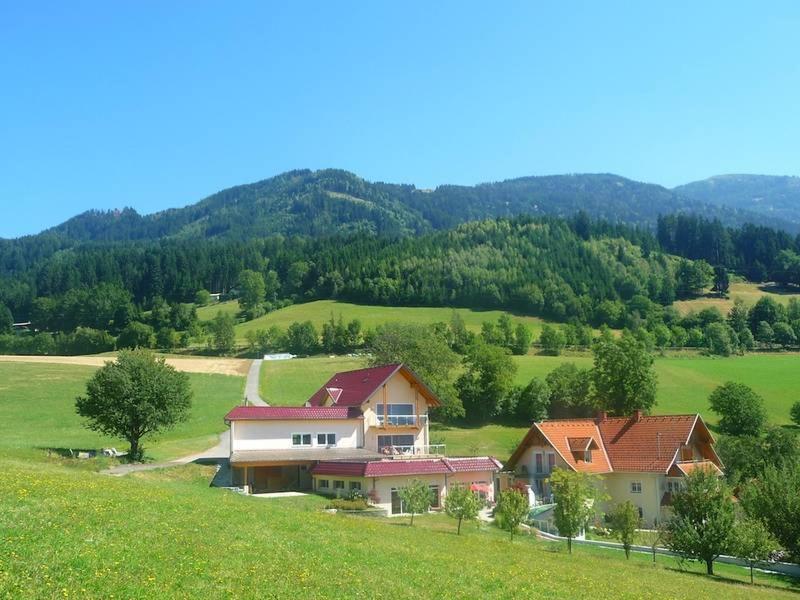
522	340
625	521
754	543
512	509
6	320
702	525
774	499
575	496
740	408
223	335
462	503
252	293
135	396
202	298
722	281
652	538
552	340
623	376
417	498
487	379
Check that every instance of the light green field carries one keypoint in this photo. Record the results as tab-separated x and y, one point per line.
320	311
206	313
37	410
167	534
750	293
291	382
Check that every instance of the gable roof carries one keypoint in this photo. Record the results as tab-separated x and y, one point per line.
353	388
395	467
636	444
291	413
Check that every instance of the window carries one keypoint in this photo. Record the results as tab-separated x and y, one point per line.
301	439
355	485
551	462
435	496
397	503
641	512
673	486
636	487
338	484
323	484
397	414
539	462
386	441
326	439
587	456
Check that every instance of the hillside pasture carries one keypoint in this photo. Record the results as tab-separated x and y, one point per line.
749	292
37	410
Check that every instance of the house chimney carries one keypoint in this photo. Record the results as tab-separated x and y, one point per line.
637	415
601	416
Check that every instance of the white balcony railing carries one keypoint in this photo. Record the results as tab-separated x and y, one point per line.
404	451
402	420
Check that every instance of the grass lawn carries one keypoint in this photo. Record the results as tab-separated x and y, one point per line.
320	311
206	313
749	292
166	534
37	410
685	381
291	382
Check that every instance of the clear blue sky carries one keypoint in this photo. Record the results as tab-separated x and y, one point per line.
158	104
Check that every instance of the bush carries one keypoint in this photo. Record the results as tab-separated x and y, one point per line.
344	504
740	408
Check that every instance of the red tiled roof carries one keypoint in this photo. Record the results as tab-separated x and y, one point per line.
290	413
396	467
649	444
354	387
581	444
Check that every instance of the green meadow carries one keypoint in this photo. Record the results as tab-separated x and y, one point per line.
70	533
320	311
37	410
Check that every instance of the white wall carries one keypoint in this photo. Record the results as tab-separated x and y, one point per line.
528	459
398	391
618	487
277	435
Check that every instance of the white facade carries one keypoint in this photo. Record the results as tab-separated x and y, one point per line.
282	435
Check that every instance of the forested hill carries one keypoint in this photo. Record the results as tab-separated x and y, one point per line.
327	202
775	196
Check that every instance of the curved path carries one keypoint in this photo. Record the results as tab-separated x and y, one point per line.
217	453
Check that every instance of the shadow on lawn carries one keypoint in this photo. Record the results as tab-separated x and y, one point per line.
794	584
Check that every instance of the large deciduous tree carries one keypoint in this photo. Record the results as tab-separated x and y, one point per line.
623	376
487	379
741	410
774	499
135	396
252	293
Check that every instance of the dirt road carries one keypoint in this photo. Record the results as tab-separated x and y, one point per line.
220	366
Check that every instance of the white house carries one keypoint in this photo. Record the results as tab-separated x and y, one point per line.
363	430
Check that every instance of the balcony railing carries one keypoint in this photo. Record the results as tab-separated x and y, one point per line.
402	420
406	451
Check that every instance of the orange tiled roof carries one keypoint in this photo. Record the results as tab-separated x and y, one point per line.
562	435
679	469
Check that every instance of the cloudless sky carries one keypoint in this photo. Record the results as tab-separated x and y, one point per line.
159	104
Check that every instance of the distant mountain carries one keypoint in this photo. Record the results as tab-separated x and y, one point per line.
335	201
777	197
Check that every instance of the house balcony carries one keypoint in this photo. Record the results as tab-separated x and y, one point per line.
402	421
417	451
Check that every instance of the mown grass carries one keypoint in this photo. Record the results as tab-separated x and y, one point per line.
37	410
291	382
750	293
319	312
71	533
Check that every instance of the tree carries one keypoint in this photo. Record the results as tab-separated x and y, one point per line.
625	521
167	338
487	379
623	376
6	319
722	282
531	402
570	392
718	339
551	340
754	543
652	538
741	410
794	412
459	336
136	335
768	310
703	521
417	497
223	334
427	353
135	396
784	334
575	495
522	340
462	503
512	510
747	456
202	298
737	316
774	499
764	333
252	293
692	278
302	338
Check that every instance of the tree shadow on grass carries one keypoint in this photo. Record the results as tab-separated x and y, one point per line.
793	582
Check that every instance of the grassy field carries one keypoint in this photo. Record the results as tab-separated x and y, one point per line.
37	410
320	311
749	292
166	534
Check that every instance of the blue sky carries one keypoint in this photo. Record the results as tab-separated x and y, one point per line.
155	105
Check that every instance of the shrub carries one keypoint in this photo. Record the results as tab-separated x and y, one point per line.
345	504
